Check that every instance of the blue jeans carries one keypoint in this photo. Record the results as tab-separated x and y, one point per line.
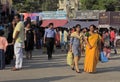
2	59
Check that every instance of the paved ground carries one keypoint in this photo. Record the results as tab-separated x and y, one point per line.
39	69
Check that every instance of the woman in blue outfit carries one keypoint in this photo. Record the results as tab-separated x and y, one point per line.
75	47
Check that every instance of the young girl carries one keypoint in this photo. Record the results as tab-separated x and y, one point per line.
3	45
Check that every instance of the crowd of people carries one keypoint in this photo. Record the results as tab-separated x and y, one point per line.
87	41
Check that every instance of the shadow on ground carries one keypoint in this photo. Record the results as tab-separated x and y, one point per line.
41	61
108	69
45	79
116	58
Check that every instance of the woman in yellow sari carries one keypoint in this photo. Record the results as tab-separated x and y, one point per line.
92	50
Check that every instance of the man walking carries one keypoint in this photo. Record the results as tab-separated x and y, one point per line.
49	39
18	39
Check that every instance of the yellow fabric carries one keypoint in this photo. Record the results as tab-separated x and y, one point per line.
60	36
74	34
80	36
65	36
19	27
70	58
92	55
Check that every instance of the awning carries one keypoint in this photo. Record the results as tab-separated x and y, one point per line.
56	22
82	23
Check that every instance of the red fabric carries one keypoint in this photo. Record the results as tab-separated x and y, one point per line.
57	38
112	36
56	22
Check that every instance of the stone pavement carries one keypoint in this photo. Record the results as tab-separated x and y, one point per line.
39	69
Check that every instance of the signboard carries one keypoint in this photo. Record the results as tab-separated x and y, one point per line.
54	15
109	18
115	18
104	18
88	14
46	15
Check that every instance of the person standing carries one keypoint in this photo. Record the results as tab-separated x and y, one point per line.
61	38
57	38
10	48
29	40
65	39
75	47
18	40
49	39
93	41
112	39
106	38
83	33
38	36
3	45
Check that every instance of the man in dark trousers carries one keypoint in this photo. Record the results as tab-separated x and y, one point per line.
49	39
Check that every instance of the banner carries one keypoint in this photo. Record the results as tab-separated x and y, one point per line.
54	15
46	15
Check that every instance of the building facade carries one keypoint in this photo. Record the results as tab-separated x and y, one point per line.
5	4
70	6
5	11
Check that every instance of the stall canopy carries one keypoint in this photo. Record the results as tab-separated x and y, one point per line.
83	24
56	22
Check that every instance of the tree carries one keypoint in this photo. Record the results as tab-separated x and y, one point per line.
36	6
87	4
109	5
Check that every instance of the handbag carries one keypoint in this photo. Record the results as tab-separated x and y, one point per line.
70	58
103	58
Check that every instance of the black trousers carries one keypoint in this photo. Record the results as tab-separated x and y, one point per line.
113	46
9	54
50	46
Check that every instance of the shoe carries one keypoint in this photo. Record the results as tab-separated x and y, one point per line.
72	68
20	68
14	69
49	58
78	71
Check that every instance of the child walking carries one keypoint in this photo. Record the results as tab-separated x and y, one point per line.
3	45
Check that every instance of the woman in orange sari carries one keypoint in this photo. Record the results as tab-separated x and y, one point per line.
92	50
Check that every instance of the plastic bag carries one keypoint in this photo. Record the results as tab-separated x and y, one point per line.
103	58
70	58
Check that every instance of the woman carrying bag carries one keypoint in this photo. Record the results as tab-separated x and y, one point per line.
75	47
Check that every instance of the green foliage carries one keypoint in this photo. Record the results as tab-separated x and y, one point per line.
99	4
36	5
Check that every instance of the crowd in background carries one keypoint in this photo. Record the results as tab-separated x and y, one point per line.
78	40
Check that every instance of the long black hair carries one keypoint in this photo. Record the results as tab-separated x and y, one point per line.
1	32
78	25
